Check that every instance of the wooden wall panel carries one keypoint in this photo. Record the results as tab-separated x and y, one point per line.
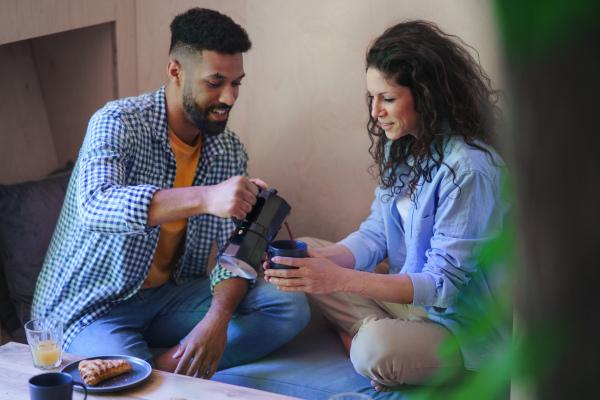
78	73
77	76
126	49
26	19
26	143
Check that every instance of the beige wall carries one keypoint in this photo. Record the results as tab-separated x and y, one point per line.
301	110
60	61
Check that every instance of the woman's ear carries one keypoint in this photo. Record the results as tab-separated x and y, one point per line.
175	72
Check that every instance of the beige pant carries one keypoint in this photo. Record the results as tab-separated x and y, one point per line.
392	343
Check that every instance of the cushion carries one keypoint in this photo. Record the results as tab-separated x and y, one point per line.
314	366
28	215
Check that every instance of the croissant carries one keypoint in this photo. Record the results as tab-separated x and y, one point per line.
96	370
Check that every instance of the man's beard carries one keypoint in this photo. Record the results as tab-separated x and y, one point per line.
201	116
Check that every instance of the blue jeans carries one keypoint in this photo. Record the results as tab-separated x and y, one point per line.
163	316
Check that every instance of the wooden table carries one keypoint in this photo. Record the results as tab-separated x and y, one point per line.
16	368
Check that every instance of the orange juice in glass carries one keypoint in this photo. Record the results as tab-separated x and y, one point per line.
44	336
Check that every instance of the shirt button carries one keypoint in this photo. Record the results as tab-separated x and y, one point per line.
421	303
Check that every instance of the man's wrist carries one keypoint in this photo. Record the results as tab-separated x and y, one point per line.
200	193
220	312
227	295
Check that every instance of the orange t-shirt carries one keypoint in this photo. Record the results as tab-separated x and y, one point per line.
171	239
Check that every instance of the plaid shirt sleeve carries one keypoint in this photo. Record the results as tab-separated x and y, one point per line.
107	203
219	273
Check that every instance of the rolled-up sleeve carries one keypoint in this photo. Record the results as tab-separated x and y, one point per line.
369	243
422	285
105	202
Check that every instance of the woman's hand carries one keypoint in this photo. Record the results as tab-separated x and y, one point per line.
315	274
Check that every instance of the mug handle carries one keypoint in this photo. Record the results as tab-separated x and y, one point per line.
84	389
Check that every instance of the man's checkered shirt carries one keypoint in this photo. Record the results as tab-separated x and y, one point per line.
102	248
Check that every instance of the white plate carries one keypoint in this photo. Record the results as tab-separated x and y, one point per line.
141	370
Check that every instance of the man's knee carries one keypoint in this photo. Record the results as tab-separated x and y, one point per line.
299	313
119	340
291	308
297	310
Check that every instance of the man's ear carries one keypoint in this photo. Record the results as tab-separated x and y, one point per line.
175	72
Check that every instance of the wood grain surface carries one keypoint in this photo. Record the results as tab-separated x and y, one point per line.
16	368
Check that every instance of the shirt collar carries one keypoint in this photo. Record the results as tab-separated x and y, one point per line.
160	127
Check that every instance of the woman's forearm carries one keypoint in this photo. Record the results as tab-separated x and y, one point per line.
394	288
339	254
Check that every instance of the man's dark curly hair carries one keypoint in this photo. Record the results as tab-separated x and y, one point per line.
202	29
451	92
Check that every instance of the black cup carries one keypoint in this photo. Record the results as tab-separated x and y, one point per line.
284	248
53	386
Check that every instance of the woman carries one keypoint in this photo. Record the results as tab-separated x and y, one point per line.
433	118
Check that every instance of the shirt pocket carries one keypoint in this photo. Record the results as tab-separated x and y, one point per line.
423	226
421	233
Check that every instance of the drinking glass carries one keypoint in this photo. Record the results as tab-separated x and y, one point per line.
44	336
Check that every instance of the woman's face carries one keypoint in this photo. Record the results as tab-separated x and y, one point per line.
392	106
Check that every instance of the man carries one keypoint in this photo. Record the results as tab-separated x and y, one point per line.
157	181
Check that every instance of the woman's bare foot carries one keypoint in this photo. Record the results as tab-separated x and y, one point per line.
383	388
346	340
166	362
344	336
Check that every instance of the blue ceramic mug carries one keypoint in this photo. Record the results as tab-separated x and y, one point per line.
53	386
284	248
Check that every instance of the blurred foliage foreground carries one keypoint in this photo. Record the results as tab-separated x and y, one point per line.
552	54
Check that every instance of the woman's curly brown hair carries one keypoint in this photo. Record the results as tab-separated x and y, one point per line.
451	92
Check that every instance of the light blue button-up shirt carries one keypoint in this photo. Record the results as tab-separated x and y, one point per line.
441	244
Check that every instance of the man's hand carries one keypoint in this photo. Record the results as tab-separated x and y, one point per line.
203	348
232	198
200	353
